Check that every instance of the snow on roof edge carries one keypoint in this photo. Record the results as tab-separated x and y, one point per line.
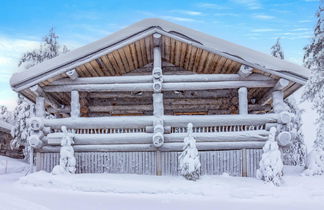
249	55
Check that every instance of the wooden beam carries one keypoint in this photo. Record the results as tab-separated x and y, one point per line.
75	104
281	84
166	79
40	107
73	74
146	138
169	120
156	40
245	71
243	100
38	91
165	86
167	147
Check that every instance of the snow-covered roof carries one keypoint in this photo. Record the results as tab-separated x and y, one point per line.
5	127
242	54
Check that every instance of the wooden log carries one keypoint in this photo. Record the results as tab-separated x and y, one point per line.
281	84
156	39
166	79
284	138
165	86
243	100
40	106
101	122
158	109
75	104
150	129
215	120
245	71
38	91
72	74
201	146
278	101
169	120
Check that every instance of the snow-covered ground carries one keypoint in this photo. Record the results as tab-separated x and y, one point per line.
42	190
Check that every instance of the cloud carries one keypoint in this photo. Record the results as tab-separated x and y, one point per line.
180	19
260	30
187	12
263	17
10	52
226	14
211	6
250	4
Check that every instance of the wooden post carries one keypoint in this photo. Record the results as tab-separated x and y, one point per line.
158	110
244	163
40	106
243	100
75	104
277	101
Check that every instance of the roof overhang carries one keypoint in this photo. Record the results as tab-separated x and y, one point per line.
51	68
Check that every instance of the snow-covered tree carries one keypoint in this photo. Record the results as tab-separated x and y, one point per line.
295	153
315	159
21	130
48	49
276	50
67	159
271	165
314	89
189	163
5	115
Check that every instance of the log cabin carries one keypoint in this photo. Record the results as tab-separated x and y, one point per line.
127	100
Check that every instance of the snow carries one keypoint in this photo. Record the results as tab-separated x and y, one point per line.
189	158
9	165
42	190
271	165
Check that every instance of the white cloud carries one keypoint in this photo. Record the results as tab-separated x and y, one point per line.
258	30
211	6
263	17
187	12
250	4
10	52
181	19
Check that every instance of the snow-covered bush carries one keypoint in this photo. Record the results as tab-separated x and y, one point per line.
314	91
295	153
271	165
189	163
21	130
67	159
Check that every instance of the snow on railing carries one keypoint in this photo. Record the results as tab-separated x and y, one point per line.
211	129
103	130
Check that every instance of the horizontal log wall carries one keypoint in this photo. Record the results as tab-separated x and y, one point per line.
212	162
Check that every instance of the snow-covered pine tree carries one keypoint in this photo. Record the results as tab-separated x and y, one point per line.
48	49
67	159
5	115
21	130
276	50
295	154
189	163
314	90
271	165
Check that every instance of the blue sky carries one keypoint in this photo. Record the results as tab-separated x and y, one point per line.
252	23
